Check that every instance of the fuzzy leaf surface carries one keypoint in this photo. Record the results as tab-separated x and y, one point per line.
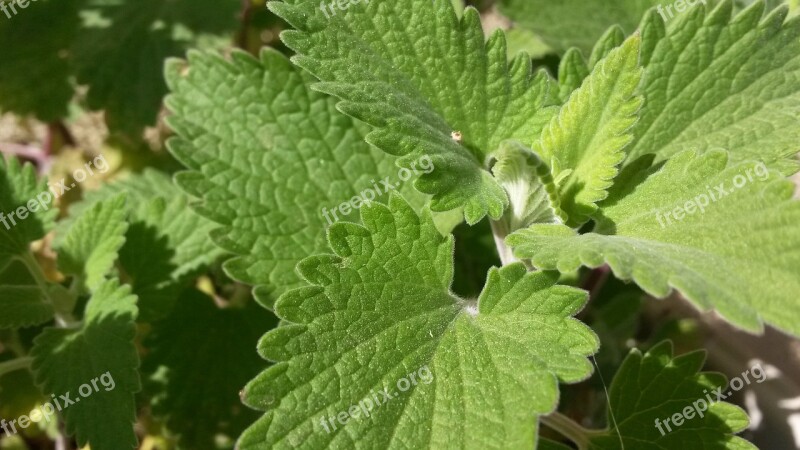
589	134
532	192
575	23
380	309
574	68
418	73
718	80
269	158
738	254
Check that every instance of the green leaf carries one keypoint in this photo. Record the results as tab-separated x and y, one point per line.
197	391
459	6
21	300
717	81
117	48
737	253
272	161
649	389
380	311
574	23
177	238
24	306
522	40
25	214
100	354
611	39
92	243
429	83
34	49
771	4
179	249
591	131
121	52
574	68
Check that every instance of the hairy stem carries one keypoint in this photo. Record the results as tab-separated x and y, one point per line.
506	255
23	151
63	307
569	429
15	364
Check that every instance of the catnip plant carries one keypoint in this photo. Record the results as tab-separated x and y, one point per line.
396	227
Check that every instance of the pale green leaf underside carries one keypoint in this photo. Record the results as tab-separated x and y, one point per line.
655	386
717	81
379	309
589	134
23	306
531	189
418	73
740	257
575	23
91	246
269	158
65	359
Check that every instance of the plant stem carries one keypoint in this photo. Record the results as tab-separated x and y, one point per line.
15	364
24	151
569	429
61	440
596	280
15	345
63	309
33	267
506	255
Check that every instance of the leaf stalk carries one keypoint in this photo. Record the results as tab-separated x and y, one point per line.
15	364
568	428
